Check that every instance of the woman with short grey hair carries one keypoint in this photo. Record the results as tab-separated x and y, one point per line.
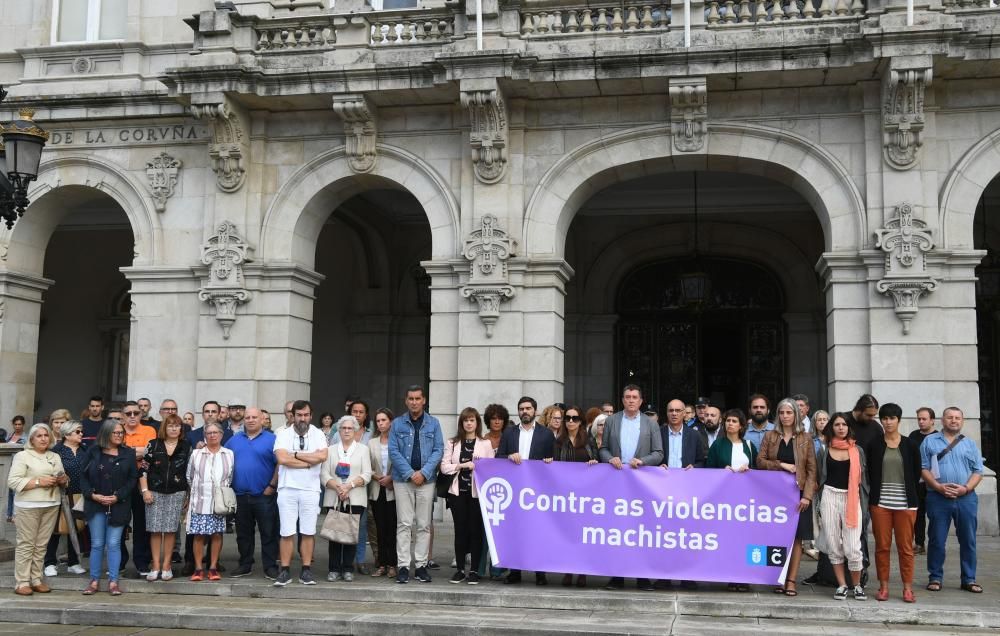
35	478
345	475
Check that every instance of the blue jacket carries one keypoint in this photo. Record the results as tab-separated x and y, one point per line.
401	447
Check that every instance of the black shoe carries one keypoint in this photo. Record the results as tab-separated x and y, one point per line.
176	558
433	565
664	584
404	575
473	578
422	575
306	576
284	578
271	573
615	583
188	569
457	577
645	585
689	585
512	579
540	579
812	580
221	568
242	570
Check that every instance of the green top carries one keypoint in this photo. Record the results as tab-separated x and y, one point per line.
720	454
892	467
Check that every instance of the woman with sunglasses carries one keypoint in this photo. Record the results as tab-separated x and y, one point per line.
107	484
70	451
573	444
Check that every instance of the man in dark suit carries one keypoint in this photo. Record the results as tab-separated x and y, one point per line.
682	448
527	441
632	437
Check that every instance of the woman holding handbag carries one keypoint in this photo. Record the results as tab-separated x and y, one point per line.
460	453
210	473
345	473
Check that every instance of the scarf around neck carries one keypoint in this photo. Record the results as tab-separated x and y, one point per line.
853	479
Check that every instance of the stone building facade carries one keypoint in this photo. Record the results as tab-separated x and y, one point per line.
285	198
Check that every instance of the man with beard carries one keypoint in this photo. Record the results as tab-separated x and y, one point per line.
863	420
760	408
709	427
237	412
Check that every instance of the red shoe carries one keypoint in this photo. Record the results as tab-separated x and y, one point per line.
198	575
213	575
882	594
908	596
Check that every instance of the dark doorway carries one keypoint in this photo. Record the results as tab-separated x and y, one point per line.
710	327
987	237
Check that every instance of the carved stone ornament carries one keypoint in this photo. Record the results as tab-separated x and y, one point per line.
688	113
162	171
360	130
903	115
225	253
488	132
905	241
488	250
229	150
3	309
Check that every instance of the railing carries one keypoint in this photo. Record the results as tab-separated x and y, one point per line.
755	11
303	34
386	31
608	19
969	4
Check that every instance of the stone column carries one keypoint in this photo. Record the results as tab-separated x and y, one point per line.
848	331
20	309
164	334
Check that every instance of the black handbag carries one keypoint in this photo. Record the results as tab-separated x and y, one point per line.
442	484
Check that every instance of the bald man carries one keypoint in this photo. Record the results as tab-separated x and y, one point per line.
255	480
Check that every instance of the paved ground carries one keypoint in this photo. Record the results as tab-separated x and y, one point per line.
378	606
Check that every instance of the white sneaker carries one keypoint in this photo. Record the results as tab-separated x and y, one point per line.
50	570
152	575
76	569
166	575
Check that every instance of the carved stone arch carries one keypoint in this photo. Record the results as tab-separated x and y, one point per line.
300	208
730	147
52	200
783	258
962	190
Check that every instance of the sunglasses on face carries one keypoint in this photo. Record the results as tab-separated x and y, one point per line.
132	413
574	418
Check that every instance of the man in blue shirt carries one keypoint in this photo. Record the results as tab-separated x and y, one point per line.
255	480
952	468
760	408
415	449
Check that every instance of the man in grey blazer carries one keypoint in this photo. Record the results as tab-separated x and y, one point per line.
633	438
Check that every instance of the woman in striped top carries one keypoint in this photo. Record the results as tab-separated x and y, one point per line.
893	473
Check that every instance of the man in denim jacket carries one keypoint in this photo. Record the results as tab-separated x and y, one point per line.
414	469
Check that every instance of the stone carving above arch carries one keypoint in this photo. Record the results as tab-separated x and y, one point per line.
487	128
780	155
360	130
688	112
229	150
162	171
224	253
963	189
903	112
488	249
905	241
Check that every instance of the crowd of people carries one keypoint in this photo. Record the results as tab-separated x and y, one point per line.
124	471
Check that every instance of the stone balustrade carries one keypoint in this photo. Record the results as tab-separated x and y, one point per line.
620	18
317	32
958	5
326	31
756	11
410	27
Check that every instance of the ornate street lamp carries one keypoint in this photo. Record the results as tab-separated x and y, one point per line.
696	284
20	155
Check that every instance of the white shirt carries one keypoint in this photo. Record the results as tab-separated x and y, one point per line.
807	424
739	459
300	478
524	440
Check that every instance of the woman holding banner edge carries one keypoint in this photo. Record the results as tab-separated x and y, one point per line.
790	448
574	444
735	454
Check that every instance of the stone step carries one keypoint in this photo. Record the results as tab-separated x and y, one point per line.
379	601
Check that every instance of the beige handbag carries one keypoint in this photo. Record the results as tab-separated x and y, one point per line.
341	526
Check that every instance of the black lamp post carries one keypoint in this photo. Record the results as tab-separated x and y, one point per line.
20	155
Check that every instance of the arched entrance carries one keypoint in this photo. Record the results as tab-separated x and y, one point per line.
759	327
372	311
987	237
711	327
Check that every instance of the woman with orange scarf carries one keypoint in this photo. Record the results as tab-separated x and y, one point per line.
843	499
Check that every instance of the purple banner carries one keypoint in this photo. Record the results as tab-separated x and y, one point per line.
701	524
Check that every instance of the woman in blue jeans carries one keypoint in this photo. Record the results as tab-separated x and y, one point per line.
107	484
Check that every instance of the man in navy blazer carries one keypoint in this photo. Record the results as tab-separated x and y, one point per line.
527	441
682	448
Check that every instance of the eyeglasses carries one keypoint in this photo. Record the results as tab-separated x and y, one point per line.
132	413
207	433
122	433
168	409
574	418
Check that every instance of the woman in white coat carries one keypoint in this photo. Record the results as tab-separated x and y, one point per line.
345	473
